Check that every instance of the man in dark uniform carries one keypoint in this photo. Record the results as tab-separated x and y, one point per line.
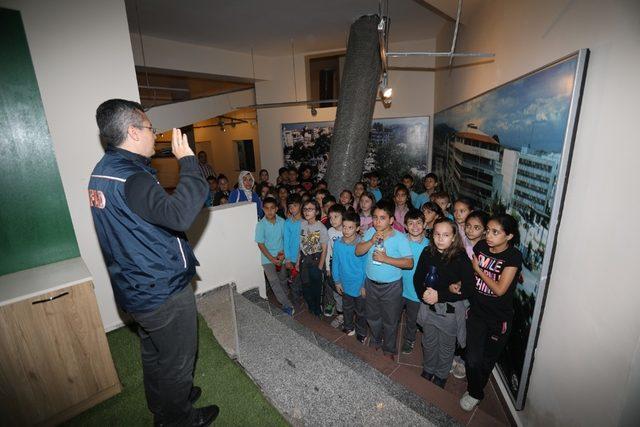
141	233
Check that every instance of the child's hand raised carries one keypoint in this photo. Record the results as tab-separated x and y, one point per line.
454	288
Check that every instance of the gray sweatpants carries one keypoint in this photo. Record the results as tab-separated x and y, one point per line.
437	347
384	305
278	282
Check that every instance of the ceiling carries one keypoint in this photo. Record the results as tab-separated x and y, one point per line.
269	26
159	87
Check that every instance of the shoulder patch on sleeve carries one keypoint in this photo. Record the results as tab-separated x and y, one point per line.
97	199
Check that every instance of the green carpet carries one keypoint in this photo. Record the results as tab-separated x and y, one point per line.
223	382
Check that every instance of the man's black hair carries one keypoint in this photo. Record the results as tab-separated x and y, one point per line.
114	118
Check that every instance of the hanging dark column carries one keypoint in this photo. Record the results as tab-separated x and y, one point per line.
358	91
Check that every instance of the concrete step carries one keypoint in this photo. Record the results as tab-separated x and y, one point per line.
314	382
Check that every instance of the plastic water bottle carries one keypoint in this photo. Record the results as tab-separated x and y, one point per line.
432	277
378	246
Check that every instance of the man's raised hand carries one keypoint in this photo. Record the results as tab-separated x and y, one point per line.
180	144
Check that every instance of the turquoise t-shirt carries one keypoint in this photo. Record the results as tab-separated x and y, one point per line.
376	193
421	199
395	246
415	199
271	235
408	290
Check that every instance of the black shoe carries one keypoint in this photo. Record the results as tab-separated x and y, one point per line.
426	375
204	416
195	394
440	382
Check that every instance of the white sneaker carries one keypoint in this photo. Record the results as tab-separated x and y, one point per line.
467	402
459	371
338	321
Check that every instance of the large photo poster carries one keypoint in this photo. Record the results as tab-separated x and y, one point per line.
396	147
508	150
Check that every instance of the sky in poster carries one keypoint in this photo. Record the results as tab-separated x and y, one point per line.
531	111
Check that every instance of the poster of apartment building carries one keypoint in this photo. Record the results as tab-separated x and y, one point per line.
508	150
396	146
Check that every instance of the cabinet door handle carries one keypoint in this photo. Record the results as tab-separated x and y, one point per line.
50	298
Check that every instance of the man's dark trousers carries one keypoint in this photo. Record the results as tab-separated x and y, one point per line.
168	338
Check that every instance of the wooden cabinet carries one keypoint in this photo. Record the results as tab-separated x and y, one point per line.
54	357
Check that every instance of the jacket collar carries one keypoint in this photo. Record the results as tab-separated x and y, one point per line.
145	161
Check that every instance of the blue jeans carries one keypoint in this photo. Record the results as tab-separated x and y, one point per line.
312	282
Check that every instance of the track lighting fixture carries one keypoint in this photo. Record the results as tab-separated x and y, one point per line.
386	92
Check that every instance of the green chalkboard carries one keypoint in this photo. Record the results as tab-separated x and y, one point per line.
35	226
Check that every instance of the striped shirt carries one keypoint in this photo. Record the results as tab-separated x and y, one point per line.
206	170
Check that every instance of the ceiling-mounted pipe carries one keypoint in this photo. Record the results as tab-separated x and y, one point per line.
172	89
474	54
451	54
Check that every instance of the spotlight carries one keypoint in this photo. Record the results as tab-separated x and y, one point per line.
222	128
314	112
385	91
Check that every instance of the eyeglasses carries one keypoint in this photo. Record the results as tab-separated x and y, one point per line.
151	128
309	209
474	227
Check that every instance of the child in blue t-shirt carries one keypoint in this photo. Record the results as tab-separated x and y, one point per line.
348	274
430	182
414	222
407	181
374	182
270	240
387	254
292	243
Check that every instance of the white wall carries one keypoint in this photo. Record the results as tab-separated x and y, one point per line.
412	96
223	241
582	373
174	55
82	56
179	114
